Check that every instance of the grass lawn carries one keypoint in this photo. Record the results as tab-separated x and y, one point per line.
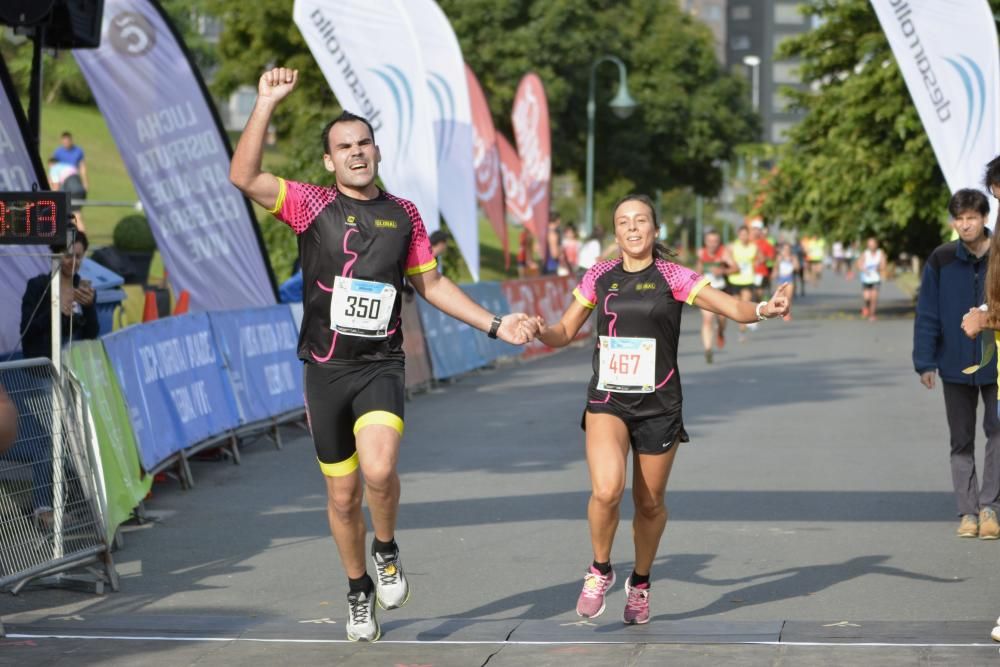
105	169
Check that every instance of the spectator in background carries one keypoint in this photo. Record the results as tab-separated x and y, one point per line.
77	297
290	291
439	247
59	172
953	283
527	265
553	244
68	173
8	422
70	154
590	251
570	254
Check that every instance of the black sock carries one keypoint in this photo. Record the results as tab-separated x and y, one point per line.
637	579
603	568
385	548
362	584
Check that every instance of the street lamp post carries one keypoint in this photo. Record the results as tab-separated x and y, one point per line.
622	105
753	62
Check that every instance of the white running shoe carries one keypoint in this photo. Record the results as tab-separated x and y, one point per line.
361	622
390	583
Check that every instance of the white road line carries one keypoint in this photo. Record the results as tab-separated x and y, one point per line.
473	642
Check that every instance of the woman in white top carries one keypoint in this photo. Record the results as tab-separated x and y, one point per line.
871	267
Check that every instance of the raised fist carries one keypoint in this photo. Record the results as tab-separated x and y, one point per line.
276	83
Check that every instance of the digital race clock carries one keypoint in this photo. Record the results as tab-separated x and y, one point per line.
33	218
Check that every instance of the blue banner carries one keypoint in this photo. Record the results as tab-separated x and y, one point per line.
454	346
258	348
491	297
174	384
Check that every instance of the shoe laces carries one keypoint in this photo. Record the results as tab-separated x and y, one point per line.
358	605
638	598
594	585
387	569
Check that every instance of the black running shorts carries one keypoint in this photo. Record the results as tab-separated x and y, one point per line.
648	435
343	399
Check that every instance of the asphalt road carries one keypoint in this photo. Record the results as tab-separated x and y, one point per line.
811	522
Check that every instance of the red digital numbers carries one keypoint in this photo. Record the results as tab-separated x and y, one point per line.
624	364
28	220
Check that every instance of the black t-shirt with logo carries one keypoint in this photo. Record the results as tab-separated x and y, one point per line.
381	239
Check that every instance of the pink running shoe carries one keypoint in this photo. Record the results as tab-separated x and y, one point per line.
595	586
636	603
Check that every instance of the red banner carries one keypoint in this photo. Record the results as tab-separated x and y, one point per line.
486	162
534	146
548	297
514	193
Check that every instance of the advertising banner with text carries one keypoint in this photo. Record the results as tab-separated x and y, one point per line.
20	169
172	376
534	146
451	115
486	162
948	55
259	347
369	56
177	155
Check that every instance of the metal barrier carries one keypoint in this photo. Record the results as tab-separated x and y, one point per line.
51	518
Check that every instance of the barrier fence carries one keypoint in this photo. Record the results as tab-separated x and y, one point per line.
125	482
546	296
50	514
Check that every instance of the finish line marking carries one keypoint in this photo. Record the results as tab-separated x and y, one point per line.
479	642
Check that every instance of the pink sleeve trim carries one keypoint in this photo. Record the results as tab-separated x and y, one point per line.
299	204
419	258
684	283
587	289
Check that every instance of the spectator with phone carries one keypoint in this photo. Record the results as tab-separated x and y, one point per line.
77	303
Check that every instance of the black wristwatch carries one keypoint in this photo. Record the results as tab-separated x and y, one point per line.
494	327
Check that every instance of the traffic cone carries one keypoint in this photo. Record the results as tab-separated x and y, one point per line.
183	300
149	310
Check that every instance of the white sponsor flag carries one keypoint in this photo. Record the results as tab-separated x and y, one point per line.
947	51
452	117
367	52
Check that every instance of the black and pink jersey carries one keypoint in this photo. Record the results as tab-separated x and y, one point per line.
645	304
380	239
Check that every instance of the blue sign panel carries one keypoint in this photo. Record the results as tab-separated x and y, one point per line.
174	384
258	348
454	346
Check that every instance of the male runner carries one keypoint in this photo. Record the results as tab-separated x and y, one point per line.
356	242
744	253
714	262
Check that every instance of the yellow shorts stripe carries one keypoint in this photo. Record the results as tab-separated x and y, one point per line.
693	294
282	190
379	417
341	468
582	299
423	268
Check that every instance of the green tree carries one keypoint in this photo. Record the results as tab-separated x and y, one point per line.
860	162
691	113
